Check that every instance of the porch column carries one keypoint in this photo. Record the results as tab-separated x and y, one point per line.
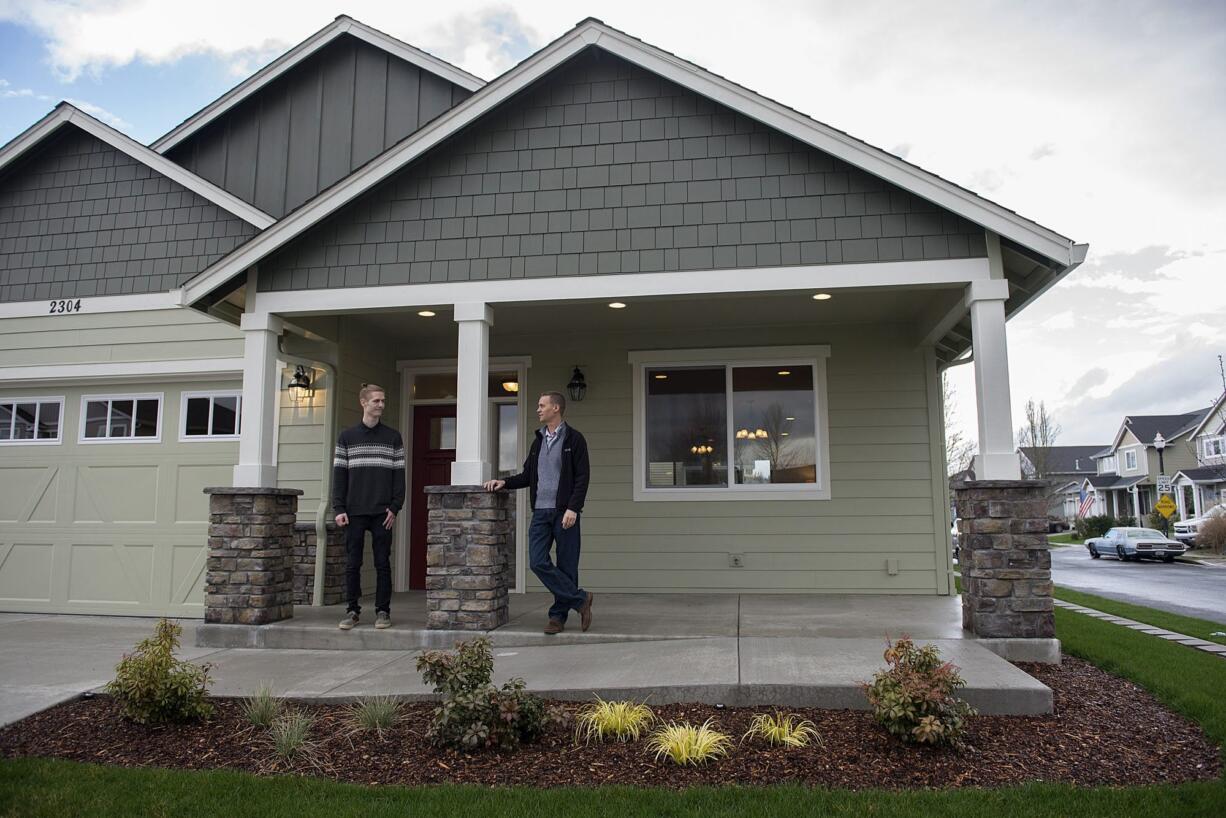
1136	504
1181	504
997	458
472	445
260	389
1196	501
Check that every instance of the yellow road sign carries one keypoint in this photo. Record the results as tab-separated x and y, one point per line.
1165	506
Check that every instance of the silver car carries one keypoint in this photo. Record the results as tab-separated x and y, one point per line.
1135	544
1185	530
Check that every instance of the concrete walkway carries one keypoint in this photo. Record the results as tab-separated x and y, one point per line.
738	650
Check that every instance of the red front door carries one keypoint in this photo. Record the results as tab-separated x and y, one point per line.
433	454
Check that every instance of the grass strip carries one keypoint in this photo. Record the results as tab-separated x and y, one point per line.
1188	625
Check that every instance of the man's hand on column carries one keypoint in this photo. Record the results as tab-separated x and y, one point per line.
389	519
494	485
342	519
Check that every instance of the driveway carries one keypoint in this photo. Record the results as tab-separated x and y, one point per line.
1177	587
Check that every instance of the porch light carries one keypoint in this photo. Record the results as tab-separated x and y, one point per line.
616	305
822	296
299	385
577	386
661	377
789	418
427	313
785	372
510	386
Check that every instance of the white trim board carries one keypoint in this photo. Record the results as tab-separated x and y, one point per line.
592	32
341	25
66	114
168	300
127	371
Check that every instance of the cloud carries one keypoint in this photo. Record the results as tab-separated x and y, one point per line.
1145	264
99	112
1090	379
1043	151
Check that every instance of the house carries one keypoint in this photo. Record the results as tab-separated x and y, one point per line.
1126	480
753	307
1065	468
1200	487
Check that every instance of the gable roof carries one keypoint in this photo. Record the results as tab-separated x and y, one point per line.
1209	413
1203	474
1146	427
1065	459
65	114
343	24
1036	239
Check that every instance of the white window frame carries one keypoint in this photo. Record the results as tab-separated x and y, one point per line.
184	437
814	356
1109	465
1130	460
59	432
1220	440
160	397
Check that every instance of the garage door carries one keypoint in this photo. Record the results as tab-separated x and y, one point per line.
101	508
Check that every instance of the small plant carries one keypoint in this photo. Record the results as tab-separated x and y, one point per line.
686	744
623	721
262	708
155	687
782	730
375	714
473	714
914	697
1212	534
291	734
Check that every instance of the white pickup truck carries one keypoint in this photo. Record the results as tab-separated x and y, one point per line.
1185	530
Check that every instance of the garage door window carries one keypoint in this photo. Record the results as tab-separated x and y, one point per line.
210	416
121	418
30	420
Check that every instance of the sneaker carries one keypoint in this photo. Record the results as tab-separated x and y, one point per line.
383	620
349	621
554	626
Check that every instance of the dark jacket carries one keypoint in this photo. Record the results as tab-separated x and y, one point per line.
368	471
576	471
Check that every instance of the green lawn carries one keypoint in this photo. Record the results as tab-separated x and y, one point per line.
1200	628
1067	538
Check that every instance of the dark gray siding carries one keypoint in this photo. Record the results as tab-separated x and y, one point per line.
311	127
79	218
602	167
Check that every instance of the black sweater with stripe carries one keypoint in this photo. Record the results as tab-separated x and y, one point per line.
368	470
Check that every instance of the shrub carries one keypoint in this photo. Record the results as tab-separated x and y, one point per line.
686	744
623	721
154	687
291	734
1095	526
1212	533
1124	520
473	713
375	714
782	730
914	697
262	708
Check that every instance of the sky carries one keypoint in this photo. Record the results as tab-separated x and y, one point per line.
1103	121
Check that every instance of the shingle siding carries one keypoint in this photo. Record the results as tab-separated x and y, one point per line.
79	218
605	168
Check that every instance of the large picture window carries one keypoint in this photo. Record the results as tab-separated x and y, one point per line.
121	418
730	424
30	420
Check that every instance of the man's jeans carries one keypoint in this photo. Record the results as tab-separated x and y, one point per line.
561	579
381	545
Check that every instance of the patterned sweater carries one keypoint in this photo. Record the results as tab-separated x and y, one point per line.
368	471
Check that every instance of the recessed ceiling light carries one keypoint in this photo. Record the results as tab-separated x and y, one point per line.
427	313
785	372
661	377
789	418
617	305
822	297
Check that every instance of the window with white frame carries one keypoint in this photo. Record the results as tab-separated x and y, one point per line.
116	418
1130	460
1214	446
1106	465
729	424
210	416
30	420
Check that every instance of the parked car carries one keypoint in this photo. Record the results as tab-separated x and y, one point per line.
1135	544
1057	524
1185	530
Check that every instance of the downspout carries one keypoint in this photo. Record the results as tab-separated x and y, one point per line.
325	470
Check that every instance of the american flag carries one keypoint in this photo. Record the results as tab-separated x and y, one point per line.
1087	500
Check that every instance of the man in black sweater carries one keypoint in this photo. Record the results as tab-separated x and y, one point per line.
557	473
367	494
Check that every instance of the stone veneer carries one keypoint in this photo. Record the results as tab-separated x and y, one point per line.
1005	561
469	541
250	568
304	564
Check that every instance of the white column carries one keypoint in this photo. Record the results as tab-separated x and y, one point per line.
1180	503
997	458
1136	505
472	427
261	388
1196	501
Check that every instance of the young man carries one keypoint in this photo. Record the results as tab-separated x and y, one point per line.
367	494
557	475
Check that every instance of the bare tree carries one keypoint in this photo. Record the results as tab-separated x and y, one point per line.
959	449
1038	434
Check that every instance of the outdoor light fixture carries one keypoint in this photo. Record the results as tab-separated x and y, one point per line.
299	385
785	372
822	296
577	386
661	377
789	418
427	313
616	305
510	386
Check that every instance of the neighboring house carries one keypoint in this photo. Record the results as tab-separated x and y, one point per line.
1066	468
1127	470
760	307
1202	486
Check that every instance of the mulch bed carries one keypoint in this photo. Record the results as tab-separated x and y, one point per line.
1105	731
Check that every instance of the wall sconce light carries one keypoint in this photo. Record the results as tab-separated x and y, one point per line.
299	386
511	386
577	386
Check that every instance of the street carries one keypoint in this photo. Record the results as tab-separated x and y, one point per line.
1182	588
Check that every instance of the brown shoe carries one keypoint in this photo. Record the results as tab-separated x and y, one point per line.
554	626
585	613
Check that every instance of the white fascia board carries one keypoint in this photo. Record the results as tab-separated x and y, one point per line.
924	184
297	54
1209	415
809	278
67	114
93	304
192	368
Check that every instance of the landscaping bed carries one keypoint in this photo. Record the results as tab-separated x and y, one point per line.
1105	731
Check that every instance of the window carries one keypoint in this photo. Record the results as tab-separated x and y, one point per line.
1215	446
1107	465
30	420
730	424
210	416
116	418
1130	460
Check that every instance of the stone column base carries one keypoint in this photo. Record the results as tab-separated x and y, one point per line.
469	536
250	563
304	564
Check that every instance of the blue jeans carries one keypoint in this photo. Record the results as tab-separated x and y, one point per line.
562	580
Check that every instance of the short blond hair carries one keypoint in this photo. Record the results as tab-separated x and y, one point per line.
369	389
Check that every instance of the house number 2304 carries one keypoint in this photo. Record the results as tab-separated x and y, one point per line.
64	305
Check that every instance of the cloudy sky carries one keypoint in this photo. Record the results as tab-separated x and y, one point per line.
1101	120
